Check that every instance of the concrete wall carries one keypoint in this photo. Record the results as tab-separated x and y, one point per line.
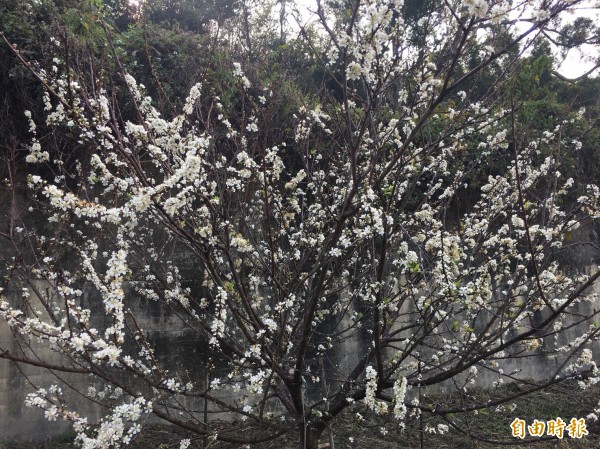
182	350
175	348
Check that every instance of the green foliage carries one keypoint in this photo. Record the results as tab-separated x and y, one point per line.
189	15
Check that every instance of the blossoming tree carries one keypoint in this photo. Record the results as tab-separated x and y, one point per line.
365	224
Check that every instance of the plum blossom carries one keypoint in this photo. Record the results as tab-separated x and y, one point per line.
477	8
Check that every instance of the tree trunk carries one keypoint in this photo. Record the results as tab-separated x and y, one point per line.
310	432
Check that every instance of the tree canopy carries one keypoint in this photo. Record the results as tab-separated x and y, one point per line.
347	207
